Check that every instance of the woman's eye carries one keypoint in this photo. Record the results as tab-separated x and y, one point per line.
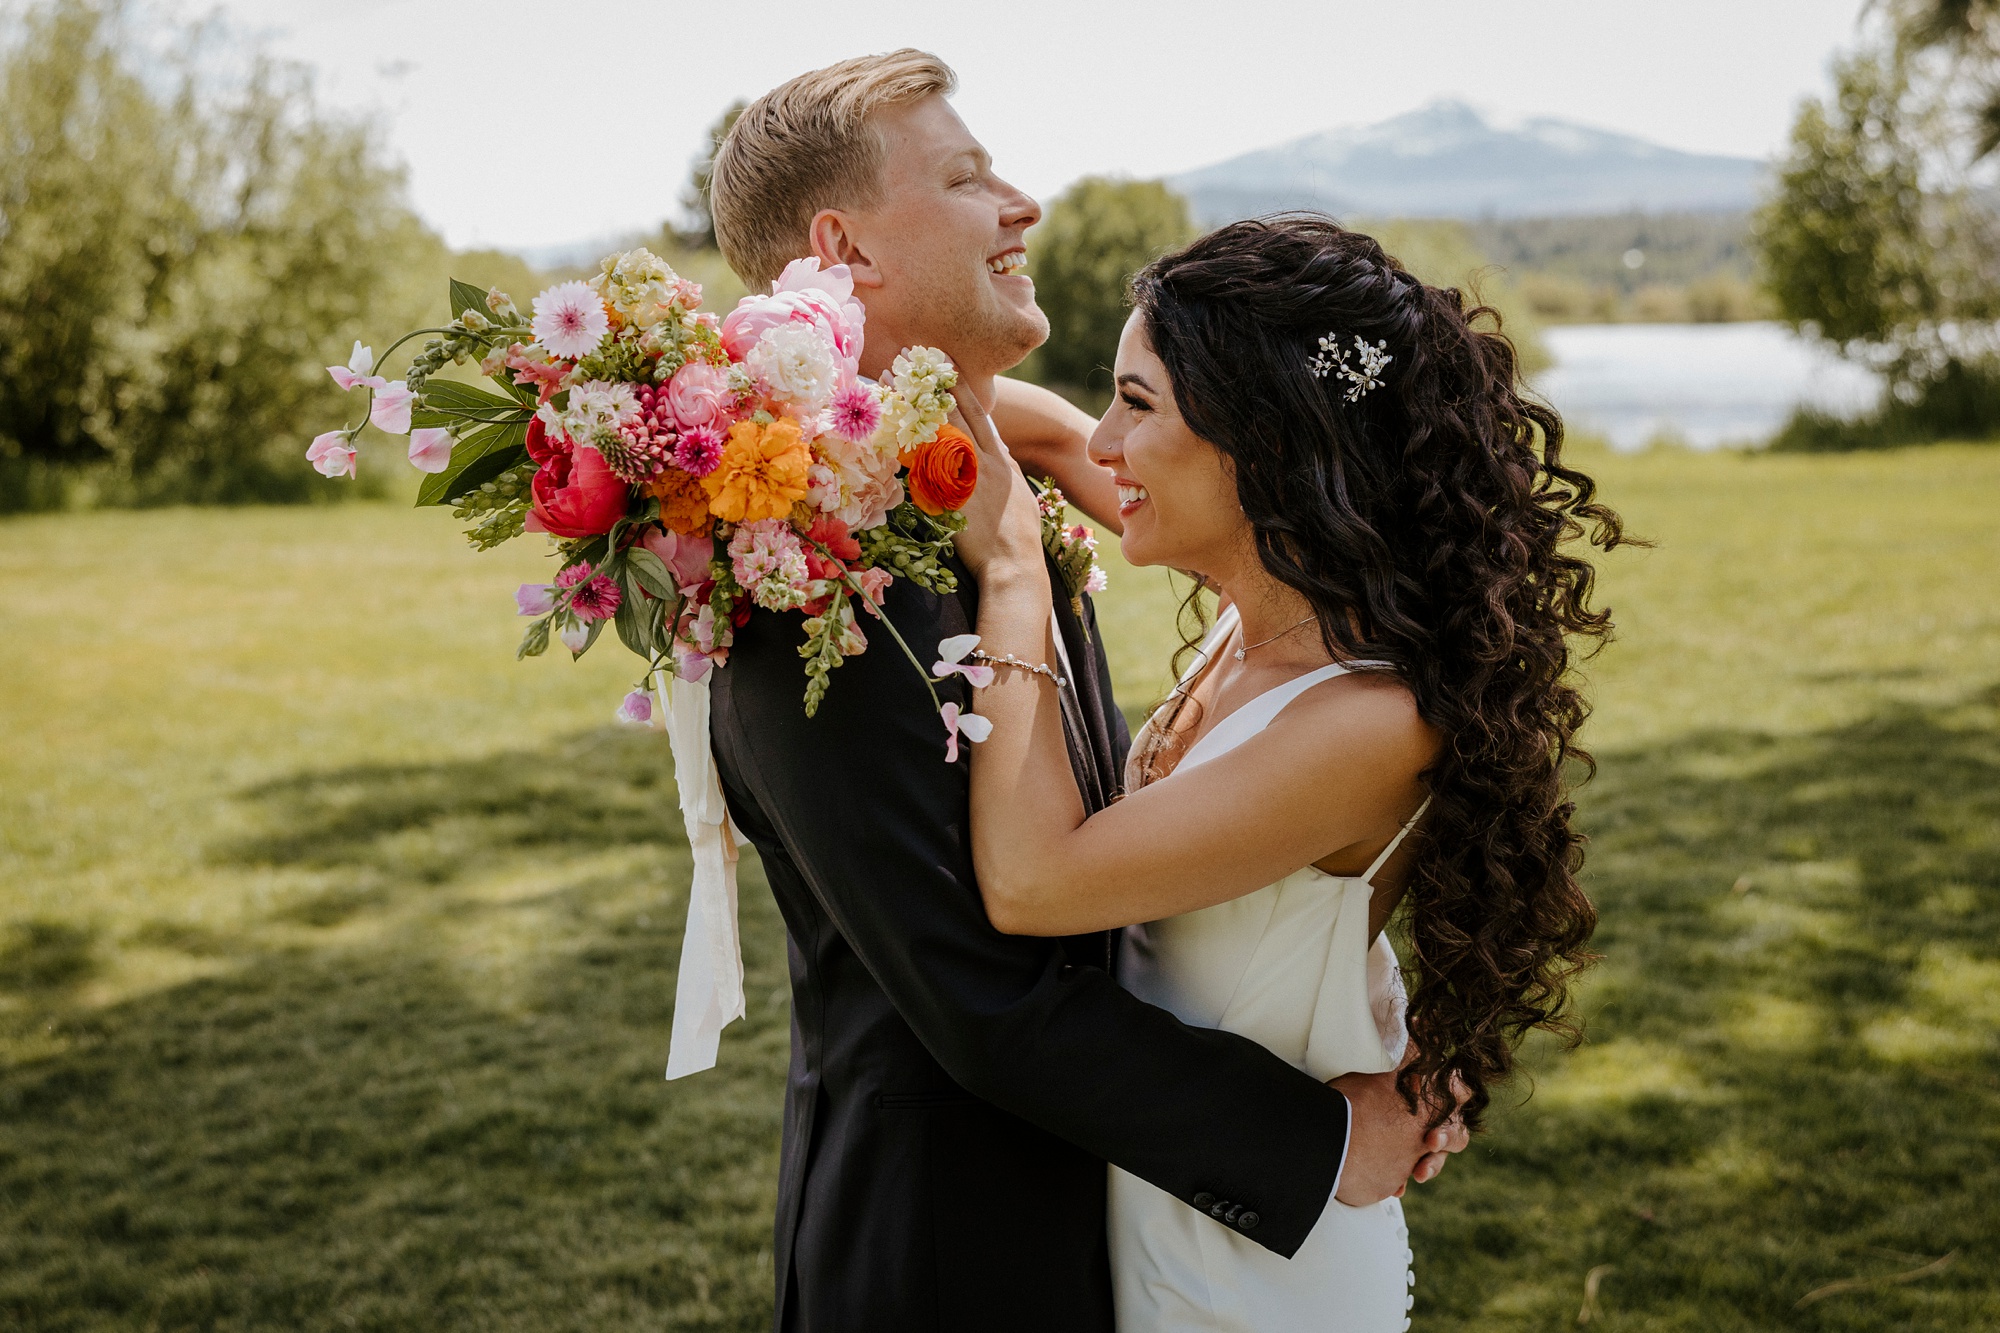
1136	404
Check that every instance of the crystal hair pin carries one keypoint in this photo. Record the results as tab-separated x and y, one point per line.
1363	375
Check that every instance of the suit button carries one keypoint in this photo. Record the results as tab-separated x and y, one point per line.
1204	1200
1248	1222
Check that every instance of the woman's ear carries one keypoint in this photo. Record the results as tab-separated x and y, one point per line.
834	241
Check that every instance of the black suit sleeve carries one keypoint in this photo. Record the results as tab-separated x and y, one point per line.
861	803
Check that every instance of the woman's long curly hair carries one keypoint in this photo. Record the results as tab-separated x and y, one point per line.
1431	523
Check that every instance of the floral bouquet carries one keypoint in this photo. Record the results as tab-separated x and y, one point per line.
687	468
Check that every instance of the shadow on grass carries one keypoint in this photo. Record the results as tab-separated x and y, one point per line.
353	1131
1793	1071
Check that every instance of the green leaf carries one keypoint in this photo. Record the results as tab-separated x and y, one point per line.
445	402
475	460
465	296
652	573
635	624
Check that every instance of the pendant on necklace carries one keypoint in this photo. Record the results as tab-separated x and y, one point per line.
1239	654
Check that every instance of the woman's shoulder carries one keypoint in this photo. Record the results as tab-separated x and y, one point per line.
1371	712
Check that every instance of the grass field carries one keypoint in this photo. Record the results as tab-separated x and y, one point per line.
336	948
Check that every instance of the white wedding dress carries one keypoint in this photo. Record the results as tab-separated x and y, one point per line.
1291	967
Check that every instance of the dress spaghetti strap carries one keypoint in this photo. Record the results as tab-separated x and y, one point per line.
1368	875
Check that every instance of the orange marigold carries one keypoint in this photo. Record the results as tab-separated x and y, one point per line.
763	470
943	472
683	502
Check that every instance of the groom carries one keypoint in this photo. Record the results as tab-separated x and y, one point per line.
955	1093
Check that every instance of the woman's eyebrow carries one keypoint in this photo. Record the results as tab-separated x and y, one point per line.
1129	378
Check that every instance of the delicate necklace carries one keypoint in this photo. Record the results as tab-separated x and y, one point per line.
1273	639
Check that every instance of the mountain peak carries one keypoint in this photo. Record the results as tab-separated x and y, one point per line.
1448	159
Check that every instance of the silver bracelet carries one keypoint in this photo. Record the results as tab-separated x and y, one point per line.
1008	659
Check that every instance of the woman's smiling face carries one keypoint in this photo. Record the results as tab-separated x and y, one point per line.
1176	491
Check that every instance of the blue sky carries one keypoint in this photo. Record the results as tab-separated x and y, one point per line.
605	100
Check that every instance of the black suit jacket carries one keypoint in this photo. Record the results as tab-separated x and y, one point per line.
955	1092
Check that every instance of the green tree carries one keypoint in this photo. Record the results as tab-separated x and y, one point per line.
1966	34
176	268
1096	235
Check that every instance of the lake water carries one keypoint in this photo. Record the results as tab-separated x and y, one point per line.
1704	385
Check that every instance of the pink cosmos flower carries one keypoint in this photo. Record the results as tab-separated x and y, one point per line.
972	726
570	319
636	707
355	372
686	558
597	600
855	413
698	450
951	653
699	395
331	455
430	449
535	599
391	409
802	294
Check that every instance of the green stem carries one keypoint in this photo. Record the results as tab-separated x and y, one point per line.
883	615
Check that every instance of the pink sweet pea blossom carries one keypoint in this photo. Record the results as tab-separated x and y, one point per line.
575	636
535	599
952	653
806	295
331	455
874	586
430	449
391	409
972	726
691	664
355	372
636	707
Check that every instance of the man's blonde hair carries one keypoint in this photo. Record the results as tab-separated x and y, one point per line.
804	146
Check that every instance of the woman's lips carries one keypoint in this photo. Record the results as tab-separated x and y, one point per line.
1130	496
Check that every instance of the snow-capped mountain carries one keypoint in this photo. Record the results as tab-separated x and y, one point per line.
1447	160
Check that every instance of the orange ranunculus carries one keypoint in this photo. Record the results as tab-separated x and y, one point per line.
763	470
683	502
943	472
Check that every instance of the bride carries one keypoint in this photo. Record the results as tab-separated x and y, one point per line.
1380	718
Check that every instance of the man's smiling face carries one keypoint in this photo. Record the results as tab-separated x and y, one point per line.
943	247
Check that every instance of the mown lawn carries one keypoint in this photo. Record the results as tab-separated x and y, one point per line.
336	948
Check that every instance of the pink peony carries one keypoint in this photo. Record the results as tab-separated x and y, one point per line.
430	449
855	413
331	455
636	707
803	294
699	395
391	409
597	599
577	495
686	558
698	450
570	320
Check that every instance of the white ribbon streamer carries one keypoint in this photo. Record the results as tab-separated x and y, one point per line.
709	994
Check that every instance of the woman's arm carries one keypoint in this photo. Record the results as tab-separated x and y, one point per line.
1047	434
1341	773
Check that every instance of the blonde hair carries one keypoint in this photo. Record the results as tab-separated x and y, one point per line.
804	146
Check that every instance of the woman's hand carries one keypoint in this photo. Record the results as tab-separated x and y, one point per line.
1003	525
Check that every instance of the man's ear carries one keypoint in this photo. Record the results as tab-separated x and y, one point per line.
835	242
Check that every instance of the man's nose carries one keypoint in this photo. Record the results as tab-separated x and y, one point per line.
1018	209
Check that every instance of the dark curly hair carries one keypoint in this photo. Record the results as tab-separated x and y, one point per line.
1431	524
